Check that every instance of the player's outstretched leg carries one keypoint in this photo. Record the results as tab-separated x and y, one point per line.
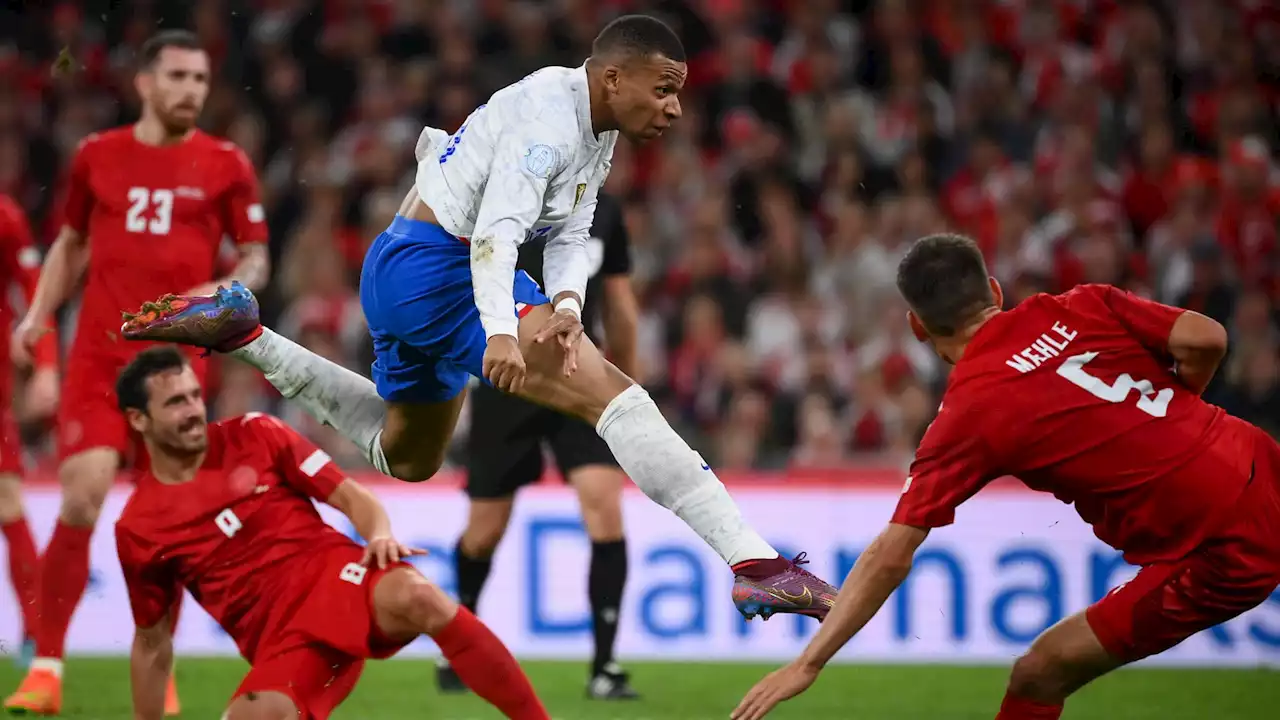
407	605
668	471
653	455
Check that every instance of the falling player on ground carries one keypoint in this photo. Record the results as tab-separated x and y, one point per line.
443	300
147	206
225	510
19	267
1093	396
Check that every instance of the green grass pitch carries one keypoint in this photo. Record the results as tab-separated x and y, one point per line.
98	689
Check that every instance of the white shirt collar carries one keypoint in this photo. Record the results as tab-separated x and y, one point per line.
582	99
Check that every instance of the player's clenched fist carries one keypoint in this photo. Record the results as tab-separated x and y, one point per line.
503	364
384	551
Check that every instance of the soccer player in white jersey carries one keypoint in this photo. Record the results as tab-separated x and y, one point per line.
444	302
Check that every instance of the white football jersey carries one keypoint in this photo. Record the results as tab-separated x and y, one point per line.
524	165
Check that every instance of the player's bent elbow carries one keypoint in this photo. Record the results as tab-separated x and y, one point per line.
1198	334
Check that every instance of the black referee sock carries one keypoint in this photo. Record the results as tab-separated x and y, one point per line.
604	585
471	575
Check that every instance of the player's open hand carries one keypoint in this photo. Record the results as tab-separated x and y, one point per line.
384	551
26	335
777	686
566	327
503	364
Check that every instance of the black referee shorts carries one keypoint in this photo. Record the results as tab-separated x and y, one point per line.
504	448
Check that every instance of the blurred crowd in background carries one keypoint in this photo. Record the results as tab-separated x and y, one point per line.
1110	141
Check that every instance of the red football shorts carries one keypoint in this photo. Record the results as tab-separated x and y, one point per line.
1235	570
316	678
322	629
10	445
88	415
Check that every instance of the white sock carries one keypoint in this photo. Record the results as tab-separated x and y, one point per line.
662	465
52	665
328	392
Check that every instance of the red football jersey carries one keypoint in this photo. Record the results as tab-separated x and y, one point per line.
155	218
237	535
1074	394
19	270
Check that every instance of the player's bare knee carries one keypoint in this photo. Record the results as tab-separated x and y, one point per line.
586	393
415	437
599	491
410	460
1039	675
82	502
86	479
262	706
10	498
431	608
481	542
603	523
417	601
486	525
415	470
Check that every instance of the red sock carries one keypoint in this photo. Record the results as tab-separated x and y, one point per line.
1016	708
485	665
24	570
761	569
64	574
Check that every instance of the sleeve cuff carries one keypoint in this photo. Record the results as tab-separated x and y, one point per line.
501	326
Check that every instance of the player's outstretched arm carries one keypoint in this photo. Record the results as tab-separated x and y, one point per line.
370	519
1197	344
880	569
149	664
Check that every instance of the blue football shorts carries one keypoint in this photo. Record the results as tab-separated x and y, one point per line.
415	288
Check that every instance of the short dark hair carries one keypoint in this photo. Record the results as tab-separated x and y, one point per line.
944	280
639	35
131	385
151	49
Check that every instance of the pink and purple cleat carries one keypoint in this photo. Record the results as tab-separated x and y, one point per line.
794	590
220	322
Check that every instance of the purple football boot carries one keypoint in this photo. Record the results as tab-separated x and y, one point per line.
794	590
220	322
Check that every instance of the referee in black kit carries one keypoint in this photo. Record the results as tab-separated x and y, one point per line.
505	452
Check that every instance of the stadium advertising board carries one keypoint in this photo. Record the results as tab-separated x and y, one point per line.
1013	563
